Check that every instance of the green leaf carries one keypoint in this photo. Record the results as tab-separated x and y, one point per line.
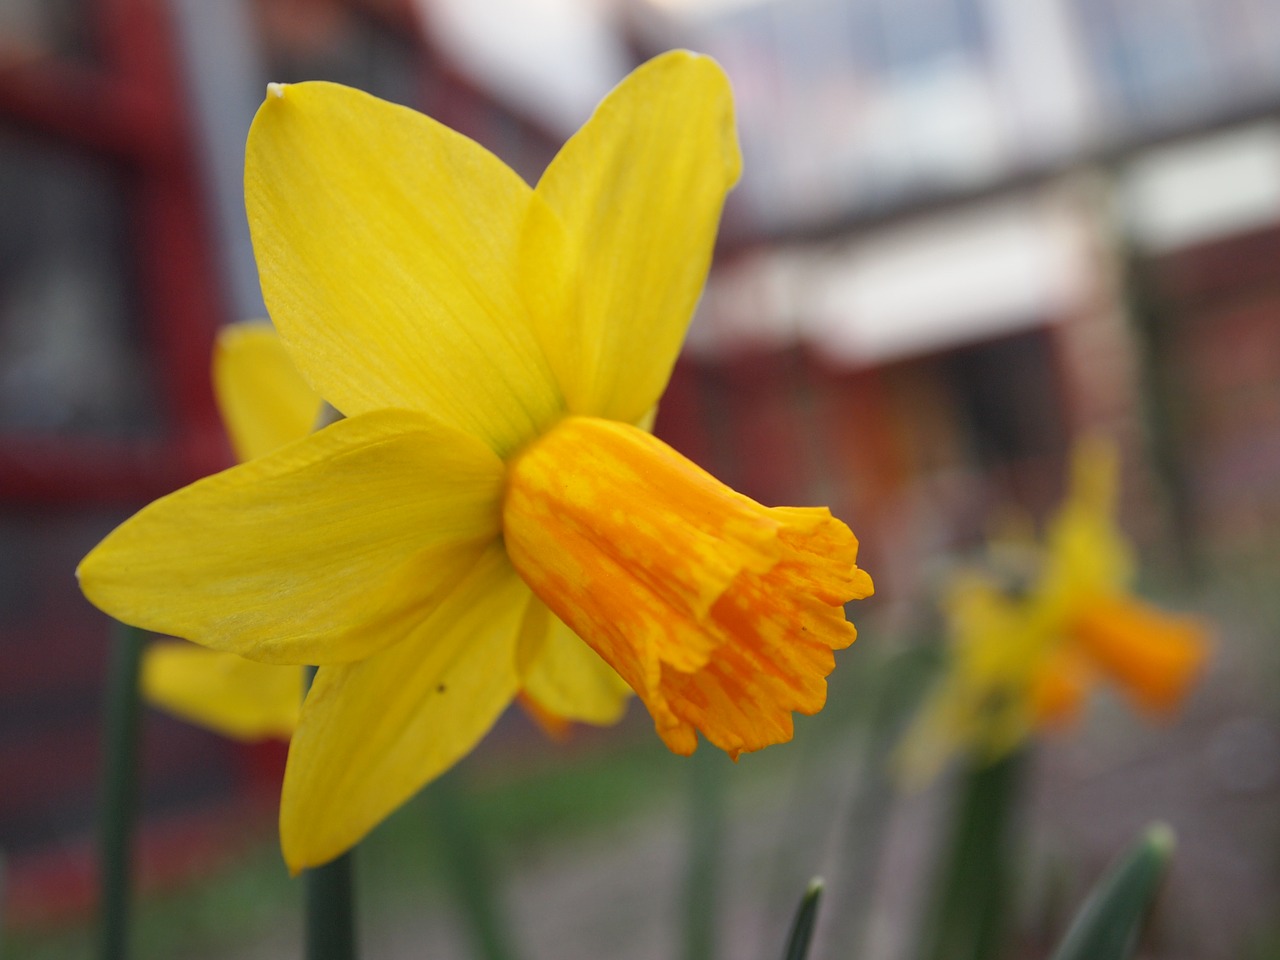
803	924
1107	926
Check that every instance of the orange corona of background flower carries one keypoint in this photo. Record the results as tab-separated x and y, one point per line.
493	348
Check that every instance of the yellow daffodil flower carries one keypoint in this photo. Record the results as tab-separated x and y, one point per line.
487	504
1025	659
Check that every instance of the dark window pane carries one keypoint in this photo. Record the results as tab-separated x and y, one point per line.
71	361
323	40
38	29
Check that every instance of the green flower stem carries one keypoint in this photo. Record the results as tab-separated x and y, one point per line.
331	928
3	888
966	920
120	789
330	904
707	770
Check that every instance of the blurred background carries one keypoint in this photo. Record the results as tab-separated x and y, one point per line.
968	232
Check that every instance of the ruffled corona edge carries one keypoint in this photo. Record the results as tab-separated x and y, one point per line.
721	614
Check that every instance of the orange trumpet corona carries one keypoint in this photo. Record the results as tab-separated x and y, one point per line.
720	613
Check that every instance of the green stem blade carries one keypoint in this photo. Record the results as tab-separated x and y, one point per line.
329	894
967	916
330	926
805	920
1107	926
120	789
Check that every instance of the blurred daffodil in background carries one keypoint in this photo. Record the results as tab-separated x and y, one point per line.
1028	640
490	500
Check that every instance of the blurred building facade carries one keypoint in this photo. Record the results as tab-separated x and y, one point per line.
108	300
980	220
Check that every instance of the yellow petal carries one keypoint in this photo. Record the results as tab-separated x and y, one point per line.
387	246
1153	655
225	693
1087	554
567	678
263	399
639	191
324	551
720	613
372	733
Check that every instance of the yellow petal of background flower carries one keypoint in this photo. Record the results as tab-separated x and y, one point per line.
567	677
324	551
943	727
228	694
639	190
982	703
263	399
1087	553
387	248
372	733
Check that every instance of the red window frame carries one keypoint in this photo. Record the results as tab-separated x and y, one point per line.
127	110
